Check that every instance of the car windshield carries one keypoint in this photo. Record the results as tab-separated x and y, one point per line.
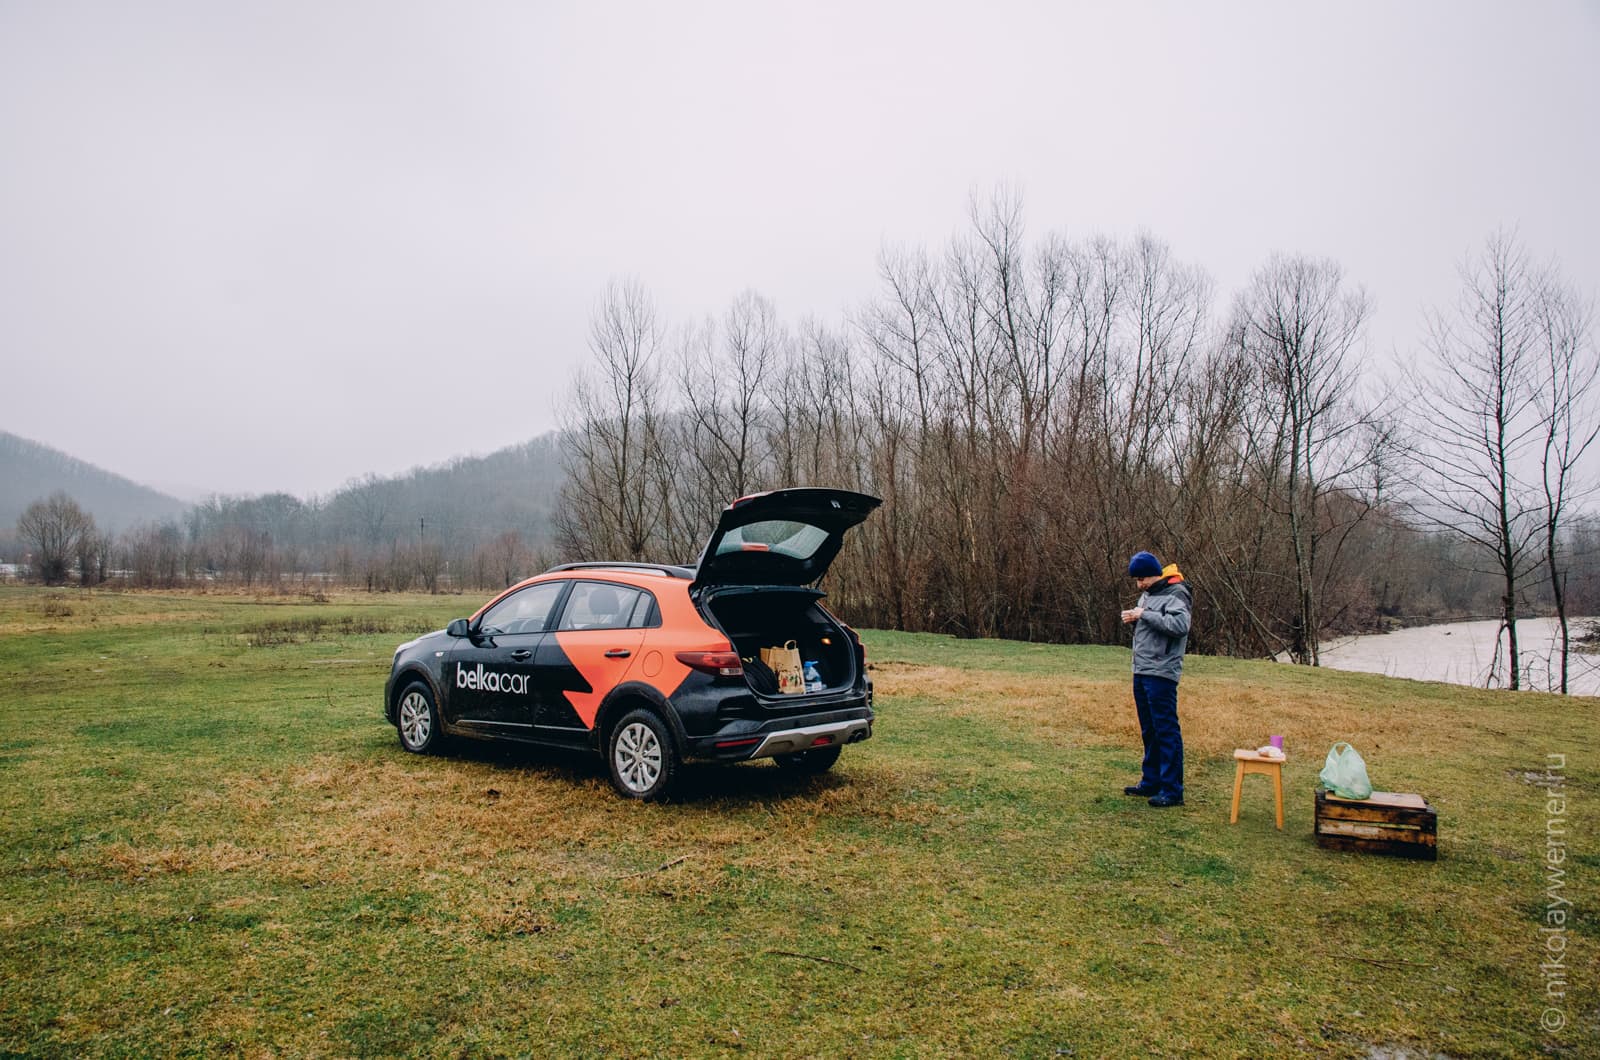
524	611
783	536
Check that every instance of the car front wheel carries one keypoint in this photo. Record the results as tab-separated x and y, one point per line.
417	720
642	758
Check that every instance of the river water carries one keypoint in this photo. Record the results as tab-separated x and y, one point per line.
1463	652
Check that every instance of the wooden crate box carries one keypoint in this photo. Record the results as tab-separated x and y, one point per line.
1387	823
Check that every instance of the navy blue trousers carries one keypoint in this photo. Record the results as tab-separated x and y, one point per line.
1157	701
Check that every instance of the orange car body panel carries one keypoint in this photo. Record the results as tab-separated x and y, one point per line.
682	629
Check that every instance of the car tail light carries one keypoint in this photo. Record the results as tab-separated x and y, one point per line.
715	663
723	745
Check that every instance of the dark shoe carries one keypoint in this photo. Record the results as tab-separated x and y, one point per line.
1166	800
1139	790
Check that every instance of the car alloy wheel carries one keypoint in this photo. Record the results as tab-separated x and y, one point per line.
416	722
638	757
643	760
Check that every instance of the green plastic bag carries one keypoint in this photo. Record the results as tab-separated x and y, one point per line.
1345	772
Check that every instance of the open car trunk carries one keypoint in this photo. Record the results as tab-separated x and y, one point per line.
768	617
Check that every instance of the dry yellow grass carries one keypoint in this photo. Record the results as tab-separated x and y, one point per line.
218	849
1219	713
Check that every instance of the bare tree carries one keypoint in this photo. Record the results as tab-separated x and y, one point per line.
53	529
154	554
725	389
254	548
611	504
91	555
1479	439
1300	327
1565	398
429	559
510	557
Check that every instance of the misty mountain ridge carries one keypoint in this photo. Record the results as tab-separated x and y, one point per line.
465	498
30	471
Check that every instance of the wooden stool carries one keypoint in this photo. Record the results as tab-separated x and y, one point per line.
1249	761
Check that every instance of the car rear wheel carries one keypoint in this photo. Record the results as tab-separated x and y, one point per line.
642	758
417	720
819	761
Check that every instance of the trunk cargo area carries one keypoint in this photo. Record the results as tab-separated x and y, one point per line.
767	618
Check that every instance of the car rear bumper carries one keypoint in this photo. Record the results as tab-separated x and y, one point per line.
810	737
784	736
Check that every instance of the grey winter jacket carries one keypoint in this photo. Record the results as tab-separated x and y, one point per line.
1162	632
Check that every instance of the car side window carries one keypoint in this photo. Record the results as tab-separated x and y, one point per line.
643	612
524	611
600	605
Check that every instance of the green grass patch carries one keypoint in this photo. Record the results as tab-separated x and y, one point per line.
211	844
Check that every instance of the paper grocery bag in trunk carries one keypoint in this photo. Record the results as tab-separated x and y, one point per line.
786	666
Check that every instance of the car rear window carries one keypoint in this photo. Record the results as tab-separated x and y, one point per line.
783	536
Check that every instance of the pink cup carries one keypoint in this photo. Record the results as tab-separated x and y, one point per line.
1276	741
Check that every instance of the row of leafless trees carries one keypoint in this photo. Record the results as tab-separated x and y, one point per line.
476	522
232	542
1034	411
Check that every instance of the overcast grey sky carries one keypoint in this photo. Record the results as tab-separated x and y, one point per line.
255	246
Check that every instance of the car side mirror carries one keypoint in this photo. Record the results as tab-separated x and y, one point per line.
459	628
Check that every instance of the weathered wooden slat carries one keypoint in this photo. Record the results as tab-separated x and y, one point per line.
1344	811
1383	798
1402	833
1334	826
1418	851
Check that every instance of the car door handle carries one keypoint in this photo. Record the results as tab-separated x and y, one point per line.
520	654
618	653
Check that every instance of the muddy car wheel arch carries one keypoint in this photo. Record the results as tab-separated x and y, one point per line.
634	696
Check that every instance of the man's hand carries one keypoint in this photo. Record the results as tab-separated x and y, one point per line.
1132	615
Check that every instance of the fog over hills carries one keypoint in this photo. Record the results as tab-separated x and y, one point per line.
464	500
29	471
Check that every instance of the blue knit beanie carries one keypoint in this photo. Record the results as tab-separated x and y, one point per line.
1144	565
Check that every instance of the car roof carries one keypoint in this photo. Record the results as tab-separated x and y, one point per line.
670	570
652	579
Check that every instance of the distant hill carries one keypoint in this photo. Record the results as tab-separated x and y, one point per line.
469	498
463	502
29	471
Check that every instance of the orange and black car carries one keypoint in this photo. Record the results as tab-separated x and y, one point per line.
652	665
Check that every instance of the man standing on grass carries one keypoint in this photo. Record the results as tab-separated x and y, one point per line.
1160	635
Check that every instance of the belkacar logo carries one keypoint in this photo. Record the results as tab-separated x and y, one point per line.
481	680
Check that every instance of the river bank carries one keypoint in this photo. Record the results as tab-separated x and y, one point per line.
1463	653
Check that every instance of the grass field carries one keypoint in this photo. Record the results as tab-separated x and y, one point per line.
211	844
